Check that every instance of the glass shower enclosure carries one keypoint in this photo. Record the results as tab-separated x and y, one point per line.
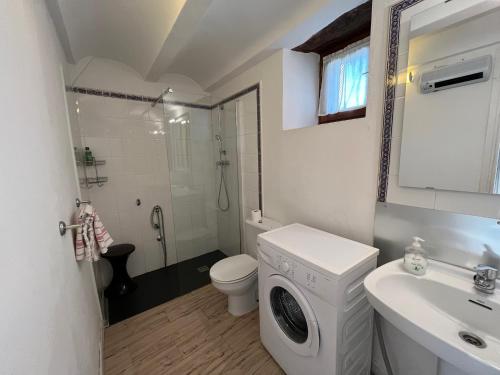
203	169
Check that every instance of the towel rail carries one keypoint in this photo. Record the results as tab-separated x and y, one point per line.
79	202
63	227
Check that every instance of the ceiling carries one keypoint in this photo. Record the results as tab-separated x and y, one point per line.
206	40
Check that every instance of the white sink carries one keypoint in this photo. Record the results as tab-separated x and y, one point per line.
433	309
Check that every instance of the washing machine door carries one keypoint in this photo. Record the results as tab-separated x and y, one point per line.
292	316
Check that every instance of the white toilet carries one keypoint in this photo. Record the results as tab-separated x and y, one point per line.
236	276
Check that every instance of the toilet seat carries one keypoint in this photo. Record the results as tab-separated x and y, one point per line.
234	269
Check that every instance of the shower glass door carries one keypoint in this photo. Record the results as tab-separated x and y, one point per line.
201	228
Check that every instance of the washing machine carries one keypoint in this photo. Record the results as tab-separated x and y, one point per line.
315	318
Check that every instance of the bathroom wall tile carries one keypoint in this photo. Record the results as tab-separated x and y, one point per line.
397	126
156	113
133	128
249	163
111	221
154	258
248	123
159	147
126	197
248	102
401	83
249	144
134	146
424	198
395	155
404	40
138	110
251	199
111	169
230	130
99	147
250	182
136	264
124	180
104	199
98	126
468	203
402	60
115	147
102	106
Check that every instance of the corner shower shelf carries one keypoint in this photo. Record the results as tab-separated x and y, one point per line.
87	181
91	163
93	180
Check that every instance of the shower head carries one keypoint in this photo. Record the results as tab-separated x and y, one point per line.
218	137
169	90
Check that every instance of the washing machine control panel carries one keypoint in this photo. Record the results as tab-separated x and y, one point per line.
301	274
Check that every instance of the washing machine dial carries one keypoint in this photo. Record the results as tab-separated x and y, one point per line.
285	267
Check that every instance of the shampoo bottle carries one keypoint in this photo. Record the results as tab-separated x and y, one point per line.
415	259
88	155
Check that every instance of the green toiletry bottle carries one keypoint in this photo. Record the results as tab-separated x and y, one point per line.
88	155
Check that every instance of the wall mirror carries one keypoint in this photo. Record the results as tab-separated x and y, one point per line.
442	107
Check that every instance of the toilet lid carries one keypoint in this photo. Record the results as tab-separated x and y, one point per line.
233	268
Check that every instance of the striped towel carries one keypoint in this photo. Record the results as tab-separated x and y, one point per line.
91	239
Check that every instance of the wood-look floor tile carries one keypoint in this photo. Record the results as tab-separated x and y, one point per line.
193	334
116	339
158	361
119	364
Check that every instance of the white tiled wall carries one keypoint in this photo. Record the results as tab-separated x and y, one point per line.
228	221
129	136
248	156
239	130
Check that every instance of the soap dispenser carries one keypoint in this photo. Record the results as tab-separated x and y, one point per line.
415	259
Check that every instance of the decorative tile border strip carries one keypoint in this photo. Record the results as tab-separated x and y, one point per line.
390	93
137	98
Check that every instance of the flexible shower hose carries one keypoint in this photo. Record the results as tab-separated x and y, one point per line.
222	184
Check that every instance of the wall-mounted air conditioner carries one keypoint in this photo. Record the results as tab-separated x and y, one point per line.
460	74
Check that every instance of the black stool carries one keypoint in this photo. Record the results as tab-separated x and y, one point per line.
121	284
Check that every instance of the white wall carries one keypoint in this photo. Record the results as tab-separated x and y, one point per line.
324	176
300	89
50	322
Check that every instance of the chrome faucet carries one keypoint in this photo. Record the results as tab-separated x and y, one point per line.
485	278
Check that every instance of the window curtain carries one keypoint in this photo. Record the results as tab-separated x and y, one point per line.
345	79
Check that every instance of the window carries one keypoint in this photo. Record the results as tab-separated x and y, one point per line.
344	47
344	83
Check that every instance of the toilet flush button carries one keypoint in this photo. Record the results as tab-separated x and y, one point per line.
285	266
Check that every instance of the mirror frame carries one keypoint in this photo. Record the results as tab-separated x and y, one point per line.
390	93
